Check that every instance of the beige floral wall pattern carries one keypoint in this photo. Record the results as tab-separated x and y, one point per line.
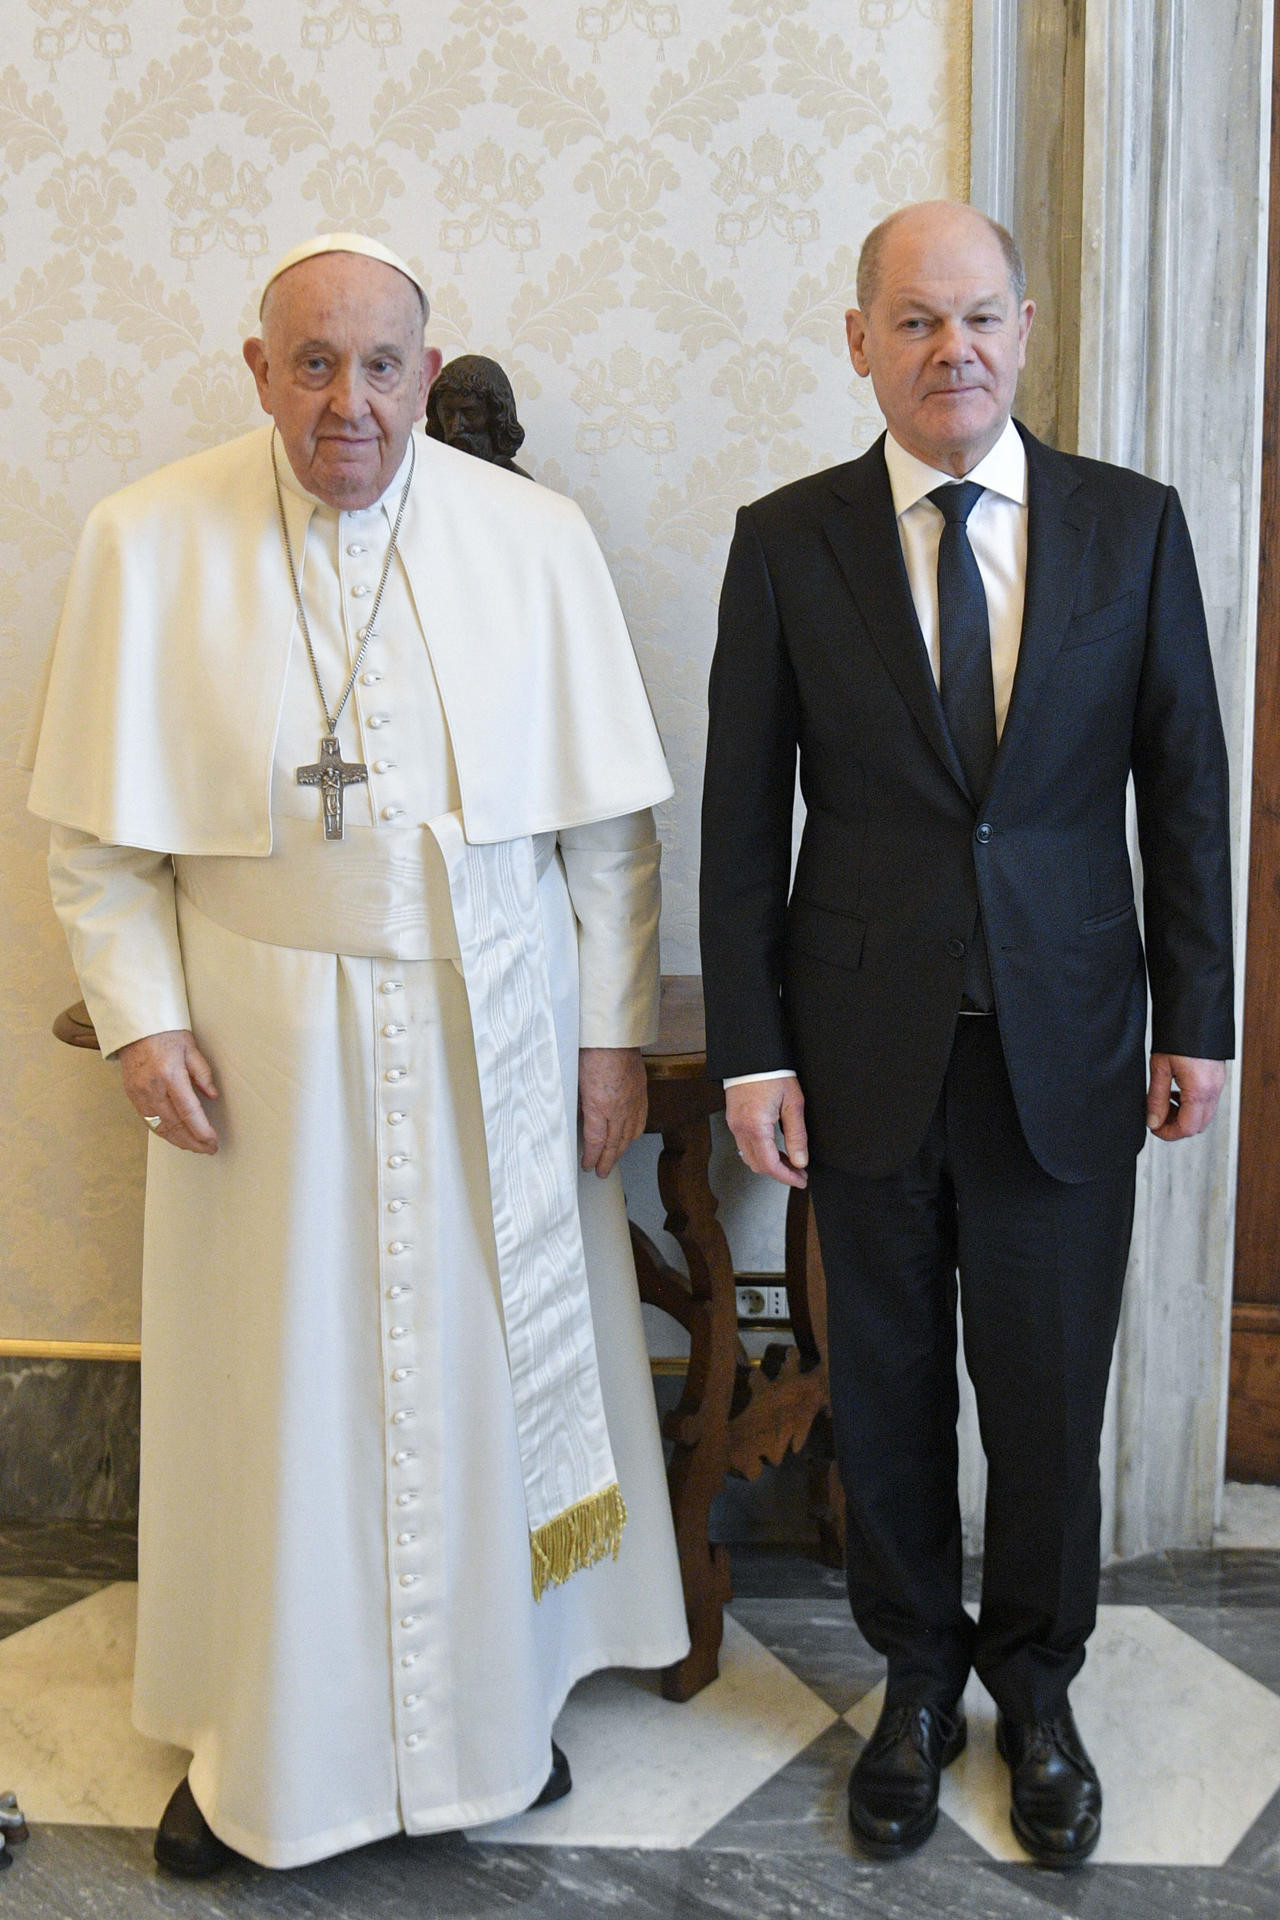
648	210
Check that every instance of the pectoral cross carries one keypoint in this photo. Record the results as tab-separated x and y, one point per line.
332	774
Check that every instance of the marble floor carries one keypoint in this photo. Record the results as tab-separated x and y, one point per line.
732	1804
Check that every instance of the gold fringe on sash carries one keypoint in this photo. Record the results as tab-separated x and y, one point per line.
577	1538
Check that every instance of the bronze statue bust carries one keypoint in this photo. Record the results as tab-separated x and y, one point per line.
471	406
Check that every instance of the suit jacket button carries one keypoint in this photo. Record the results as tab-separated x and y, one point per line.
956	949
983	833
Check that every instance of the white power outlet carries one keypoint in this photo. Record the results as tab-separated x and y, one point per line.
762	1303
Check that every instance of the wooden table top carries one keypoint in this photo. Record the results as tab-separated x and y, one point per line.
680	1050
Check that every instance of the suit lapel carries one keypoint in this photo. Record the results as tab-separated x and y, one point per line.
862	531
1059	530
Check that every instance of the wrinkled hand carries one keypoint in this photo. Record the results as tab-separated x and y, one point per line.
1182	1094
166	1073
755	1110
613	1100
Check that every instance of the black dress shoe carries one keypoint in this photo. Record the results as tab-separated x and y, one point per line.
185	1842
893	1789
559	1780
1057	1798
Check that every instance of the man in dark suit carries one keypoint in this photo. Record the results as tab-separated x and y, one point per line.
971	642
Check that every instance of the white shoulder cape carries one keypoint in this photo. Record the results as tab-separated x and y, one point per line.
168	669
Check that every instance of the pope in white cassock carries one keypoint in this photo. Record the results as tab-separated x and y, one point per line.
350	769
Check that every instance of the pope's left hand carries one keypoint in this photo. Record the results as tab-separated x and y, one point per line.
613	1100
1183	1094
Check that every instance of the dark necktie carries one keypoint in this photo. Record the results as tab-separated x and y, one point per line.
968	693
964	640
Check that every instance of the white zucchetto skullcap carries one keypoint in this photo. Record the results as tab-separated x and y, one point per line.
344	243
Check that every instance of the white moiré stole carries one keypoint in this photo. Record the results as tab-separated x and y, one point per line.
576	1511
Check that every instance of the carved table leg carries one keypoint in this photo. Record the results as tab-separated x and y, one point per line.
699	1425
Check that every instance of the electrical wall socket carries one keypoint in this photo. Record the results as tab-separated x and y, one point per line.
762	1303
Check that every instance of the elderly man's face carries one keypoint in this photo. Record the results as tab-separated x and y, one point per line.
342	371
943	338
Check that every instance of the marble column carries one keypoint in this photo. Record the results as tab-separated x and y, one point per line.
1126	142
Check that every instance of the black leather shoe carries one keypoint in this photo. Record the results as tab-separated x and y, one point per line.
559	1780
185	1842
1057	1798
893	1789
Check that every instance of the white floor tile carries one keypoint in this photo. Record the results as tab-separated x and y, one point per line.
650	1773
67	1748
1187	1746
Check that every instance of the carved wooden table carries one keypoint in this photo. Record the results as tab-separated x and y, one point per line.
733	1417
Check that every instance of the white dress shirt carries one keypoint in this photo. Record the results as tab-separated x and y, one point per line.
997	529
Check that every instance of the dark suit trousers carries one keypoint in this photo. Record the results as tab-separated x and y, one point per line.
1041	1266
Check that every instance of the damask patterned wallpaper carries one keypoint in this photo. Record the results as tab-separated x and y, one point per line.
648	210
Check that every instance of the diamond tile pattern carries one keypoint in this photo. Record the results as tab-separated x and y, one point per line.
650	1773
1188	1745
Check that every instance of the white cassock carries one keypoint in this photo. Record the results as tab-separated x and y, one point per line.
335	1607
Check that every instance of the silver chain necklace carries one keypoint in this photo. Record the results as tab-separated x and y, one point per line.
331	773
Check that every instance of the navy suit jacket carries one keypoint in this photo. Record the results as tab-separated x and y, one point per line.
852	972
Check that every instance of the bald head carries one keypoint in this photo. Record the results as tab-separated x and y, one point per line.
873	246
341	368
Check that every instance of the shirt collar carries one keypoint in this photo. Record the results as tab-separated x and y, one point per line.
1003	470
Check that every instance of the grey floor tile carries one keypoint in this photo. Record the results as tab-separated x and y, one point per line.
1150	1893
769	1573
1247	1636
1239	1578
801	1807
1259	1851
25	1599
81	1873
71	1549
802	1810
818	1641
818	1885
77	1873
929	1885
97	1874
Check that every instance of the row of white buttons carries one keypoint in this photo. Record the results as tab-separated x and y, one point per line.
370	548
361	590
372	676
405	1539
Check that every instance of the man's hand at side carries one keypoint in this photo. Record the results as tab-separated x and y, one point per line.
1182	1094
614	1101
165	1074
755	1109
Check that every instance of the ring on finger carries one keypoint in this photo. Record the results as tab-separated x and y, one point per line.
154	1121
